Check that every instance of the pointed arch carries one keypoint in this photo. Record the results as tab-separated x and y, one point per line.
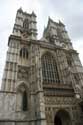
22	97
20	85
62	117
49	68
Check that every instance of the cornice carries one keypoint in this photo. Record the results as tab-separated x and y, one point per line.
41	43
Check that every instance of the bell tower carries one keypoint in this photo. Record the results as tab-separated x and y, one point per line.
25	25
24	30
22	74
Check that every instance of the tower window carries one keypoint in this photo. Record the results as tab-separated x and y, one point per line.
24	101
21	53
24	53
22	98
26	24
49	69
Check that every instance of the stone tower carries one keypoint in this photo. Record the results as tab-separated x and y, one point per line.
43	79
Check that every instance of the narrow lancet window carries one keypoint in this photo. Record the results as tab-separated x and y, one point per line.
24	101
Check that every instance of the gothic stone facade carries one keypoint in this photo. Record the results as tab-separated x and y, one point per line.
43	79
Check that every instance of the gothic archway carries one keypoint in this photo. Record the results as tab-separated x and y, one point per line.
62	117
22	97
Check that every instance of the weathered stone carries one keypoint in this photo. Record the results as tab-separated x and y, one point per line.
43	79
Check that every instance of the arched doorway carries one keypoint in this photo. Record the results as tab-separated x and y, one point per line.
62	117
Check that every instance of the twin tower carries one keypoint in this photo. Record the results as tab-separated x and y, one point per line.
43	79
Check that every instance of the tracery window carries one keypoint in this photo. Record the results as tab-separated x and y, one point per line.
24	53
49	69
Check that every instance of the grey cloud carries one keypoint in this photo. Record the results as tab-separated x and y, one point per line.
70	10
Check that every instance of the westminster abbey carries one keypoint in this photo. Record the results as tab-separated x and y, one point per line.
42	82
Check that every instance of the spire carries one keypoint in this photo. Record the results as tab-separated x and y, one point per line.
20	10
33	13
60	23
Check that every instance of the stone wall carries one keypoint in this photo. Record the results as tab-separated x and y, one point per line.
69	104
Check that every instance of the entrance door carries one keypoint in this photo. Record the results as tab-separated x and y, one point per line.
57	121
62	117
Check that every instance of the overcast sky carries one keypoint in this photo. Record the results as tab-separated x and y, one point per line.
70	12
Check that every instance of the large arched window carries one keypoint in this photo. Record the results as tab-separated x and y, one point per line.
49	69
